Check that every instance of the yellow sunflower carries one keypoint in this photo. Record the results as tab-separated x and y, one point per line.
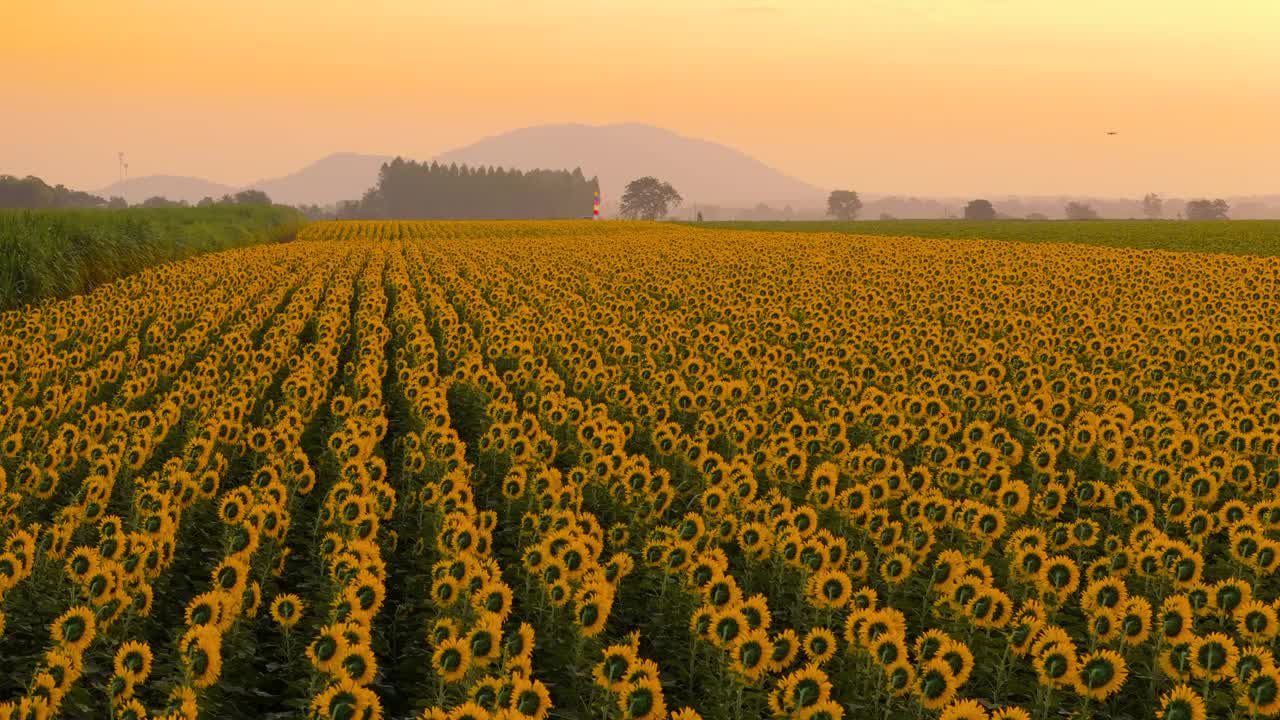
287	610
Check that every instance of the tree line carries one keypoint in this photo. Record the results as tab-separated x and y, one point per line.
32	193
411	190
845	205
244	197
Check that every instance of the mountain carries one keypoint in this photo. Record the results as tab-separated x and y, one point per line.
173	187
341	176
703	172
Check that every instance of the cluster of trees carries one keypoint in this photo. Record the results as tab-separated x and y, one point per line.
159	201
244	197
32	193
764	211
412	190
760	212
1207	209
315	213
1153	208
845	205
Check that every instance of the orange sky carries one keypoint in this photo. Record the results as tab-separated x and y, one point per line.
909	96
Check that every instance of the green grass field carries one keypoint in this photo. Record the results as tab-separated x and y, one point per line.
1239	237
56	253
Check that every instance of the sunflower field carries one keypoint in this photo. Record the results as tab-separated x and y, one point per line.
458	471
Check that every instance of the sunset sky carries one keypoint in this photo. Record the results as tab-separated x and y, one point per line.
924	97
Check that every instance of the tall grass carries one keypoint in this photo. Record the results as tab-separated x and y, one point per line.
56	253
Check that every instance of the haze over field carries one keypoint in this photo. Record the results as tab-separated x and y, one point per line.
945	97
705	172
639	359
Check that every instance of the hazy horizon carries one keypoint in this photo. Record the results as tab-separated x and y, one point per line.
944	98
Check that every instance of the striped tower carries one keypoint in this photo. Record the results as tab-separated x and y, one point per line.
595	207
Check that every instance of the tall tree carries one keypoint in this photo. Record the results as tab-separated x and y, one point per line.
1153	206
159	201
843	204
648	198
979	210
32	193
1080	211
1207	209
252	197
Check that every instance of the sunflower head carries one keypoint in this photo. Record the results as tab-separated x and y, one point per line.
785	648
531	699
935	685
357	663
1256	621
287	610
820	645
1055	663
1252	659
1181	703
1100	674
611	673
326	649
133	662
642	700
202	654
751	654
1261	694
451	659
806	688
964	710
75	629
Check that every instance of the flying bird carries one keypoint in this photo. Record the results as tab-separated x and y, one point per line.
1112	132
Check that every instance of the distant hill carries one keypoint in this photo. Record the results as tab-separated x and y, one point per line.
173	187
337	177
723	182
702	171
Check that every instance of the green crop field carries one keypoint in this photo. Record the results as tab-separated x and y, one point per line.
1237	237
